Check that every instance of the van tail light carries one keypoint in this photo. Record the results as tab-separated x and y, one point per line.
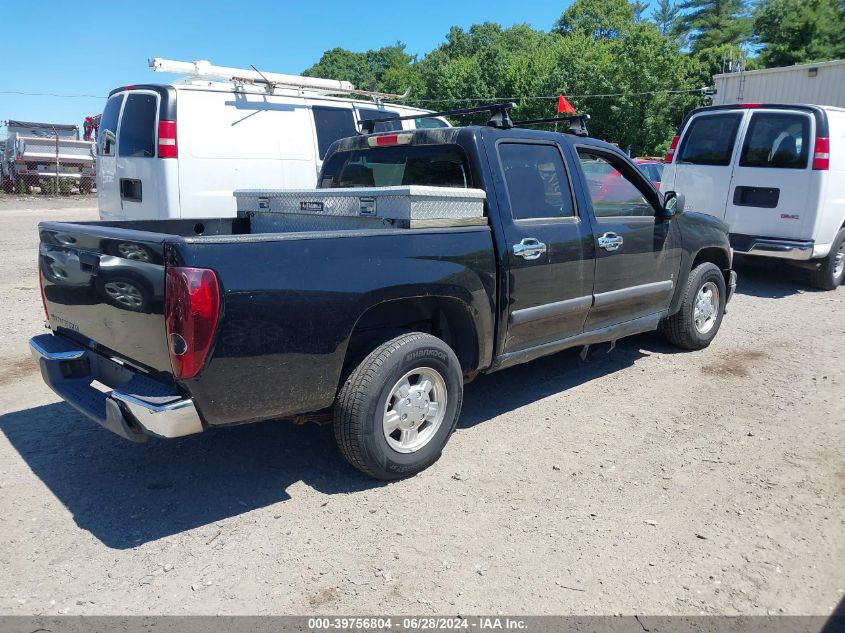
821	155
167	147
750	106
670	154
191	311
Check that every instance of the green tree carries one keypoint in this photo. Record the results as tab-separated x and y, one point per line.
665	17
714	23
387	69
596	18
796	31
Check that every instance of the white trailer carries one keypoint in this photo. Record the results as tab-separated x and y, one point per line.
822	83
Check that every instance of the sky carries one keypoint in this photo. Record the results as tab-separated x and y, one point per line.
91	47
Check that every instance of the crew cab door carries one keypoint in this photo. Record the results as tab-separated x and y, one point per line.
638	253
549	246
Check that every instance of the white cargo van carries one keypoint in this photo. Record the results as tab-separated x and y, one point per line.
775	174
180	150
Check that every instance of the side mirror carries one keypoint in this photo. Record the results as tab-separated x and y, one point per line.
673	204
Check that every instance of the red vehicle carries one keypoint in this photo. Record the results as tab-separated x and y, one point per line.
608	185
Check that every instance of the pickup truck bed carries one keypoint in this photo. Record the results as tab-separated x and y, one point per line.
172	327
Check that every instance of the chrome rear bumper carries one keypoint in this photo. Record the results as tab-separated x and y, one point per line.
135	406
783	249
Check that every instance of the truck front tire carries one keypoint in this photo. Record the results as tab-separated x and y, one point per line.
831	273
695	325
398	407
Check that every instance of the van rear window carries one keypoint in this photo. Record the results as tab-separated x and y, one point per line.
709	139
137	135
430	165
777	140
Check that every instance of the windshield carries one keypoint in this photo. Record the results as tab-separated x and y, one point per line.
431	165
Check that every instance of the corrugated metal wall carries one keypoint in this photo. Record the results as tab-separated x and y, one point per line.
795	84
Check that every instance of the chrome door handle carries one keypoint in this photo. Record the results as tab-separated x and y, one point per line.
610	242
529	248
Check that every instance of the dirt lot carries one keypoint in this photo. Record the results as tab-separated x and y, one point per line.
643	481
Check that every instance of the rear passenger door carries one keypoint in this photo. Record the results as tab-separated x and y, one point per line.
770	187
549	244
638	253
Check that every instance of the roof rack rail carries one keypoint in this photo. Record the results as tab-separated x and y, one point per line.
499	116
203	69
576	123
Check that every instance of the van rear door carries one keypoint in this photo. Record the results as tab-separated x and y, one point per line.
136	156
108	192
771	192
702	165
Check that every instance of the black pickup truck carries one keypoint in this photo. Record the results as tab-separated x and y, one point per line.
172	327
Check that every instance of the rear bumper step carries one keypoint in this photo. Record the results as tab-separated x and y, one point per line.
135	406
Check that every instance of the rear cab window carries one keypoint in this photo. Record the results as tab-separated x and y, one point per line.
428	165
137	135
385	126
779	140
709	139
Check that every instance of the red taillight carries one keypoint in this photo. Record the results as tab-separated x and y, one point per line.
821	154
671	153
167	147
749	106
191	310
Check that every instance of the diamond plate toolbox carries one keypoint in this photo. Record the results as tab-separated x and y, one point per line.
358	208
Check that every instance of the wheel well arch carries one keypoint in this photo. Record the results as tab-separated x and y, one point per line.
714	255
447	318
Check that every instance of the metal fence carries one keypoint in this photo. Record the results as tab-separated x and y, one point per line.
46	159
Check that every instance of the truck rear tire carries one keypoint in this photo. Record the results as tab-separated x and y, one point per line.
398	407
695	325
831	273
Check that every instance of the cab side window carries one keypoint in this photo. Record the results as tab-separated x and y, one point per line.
613	194
777	140
536	179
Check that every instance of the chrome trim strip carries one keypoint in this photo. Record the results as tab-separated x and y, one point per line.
548	310
633	292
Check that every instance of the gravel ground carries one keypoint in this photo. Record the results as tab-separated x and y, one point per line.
640	481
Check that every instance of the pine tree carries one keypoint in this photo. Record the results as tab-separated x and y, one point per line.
711	24
665	17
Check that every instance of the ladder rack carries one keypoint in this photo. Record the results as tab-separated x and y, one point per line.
203	69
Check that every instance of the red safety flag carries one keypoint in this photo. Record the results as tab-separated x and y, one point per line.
563	106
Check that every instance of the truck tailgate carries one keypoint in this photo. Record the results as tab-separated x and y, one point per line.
104	288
